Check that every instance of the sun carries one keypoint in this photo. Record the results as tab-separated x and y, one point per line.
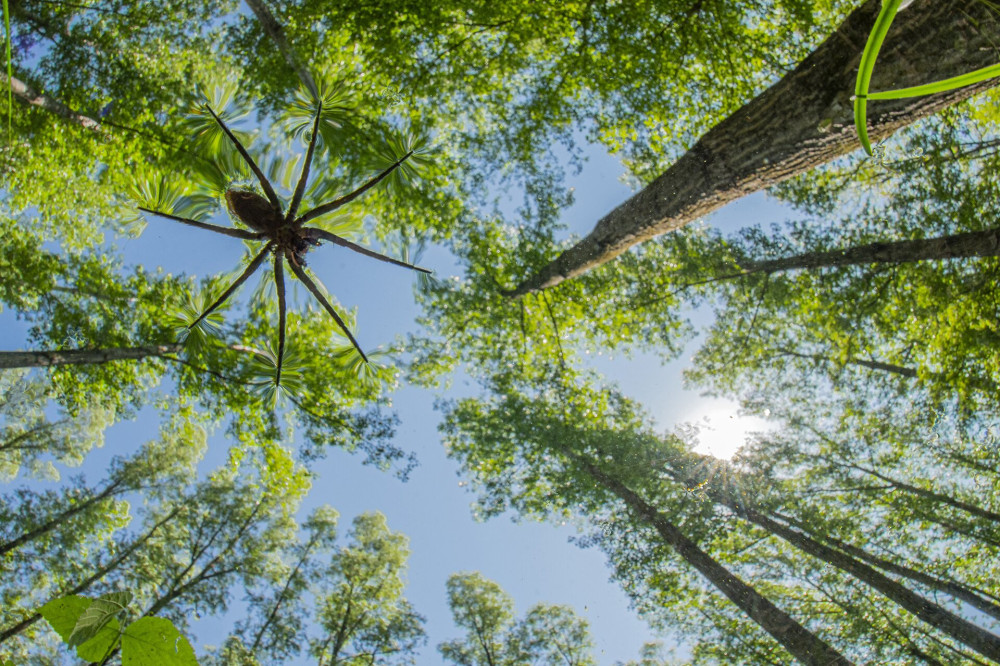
721	429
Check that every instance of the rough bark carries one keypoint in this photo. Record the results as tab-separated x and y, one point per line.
799	641
45	359
277	35
957	246
802	121
23	92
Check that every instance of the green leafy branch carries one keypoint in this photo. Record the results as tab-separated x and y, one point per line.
95	628
861	94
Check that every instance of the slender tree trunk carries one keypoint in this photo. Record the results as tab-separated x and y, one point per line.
799	641
958	628
85	584
277	35
55	521
44	359
802	121
930	495
952	588
957	246
23	92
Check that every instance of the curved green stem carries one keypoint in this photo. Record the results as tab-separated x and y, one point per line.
867	65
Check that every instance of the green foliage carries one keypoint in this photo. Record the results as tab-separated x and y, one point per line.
547	634
94	628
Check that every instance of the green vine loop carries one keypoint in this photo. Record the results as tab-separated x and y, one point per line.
861	94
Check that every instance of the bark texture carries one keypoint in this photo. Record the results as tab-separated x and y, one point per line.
804	645
802	121
44	359
957	246
23	92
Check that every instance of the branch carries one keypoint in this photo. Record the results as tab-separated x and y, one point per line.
28	96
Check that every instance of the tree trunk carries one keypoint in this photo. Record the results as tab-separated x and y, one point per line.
23	92
51	524
274	30
952	588
44	359
799	641
85	584
802	121
961	630
957	246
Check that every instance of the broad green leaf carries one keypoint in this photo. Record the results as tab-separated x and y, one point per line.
155	640
96	616
62	614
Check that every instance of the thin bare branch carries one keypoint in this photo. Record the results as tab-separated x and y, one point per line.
226	231
279	283
311	286
347	198
300	187
322	234
264	182
250	270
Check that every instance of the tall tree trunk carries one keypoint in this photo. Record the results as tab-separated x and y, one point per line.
23	92
276	32
44	359
799	641
956	627
802	121
85	584
952	588
957	246
55	521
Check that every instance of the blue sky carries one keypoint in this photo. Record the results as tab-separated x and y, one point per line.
532	562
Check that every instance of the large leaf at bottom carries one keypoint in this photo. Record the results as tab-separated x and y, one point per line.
155	640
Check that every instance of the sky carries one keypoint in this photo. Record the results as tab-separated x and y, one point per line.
533	562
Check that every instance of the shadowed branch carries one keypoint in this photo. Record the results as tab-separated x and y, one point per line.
226	231
279	283
300	187
250	270
311	286
347	198
322	234
264	182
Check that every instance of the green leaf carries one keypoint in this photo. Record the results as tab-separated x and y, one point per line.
62	614
101	611
65	613
155	640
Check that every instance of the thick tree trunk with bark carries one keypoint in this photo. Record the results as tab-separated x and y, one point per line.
44	359
799	641
957	246
802	121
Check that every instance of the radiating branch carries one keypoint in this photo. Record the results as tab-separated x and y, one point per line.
347	198
250	270
264	182
226	231
300	187
279	283
311	286
322	234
